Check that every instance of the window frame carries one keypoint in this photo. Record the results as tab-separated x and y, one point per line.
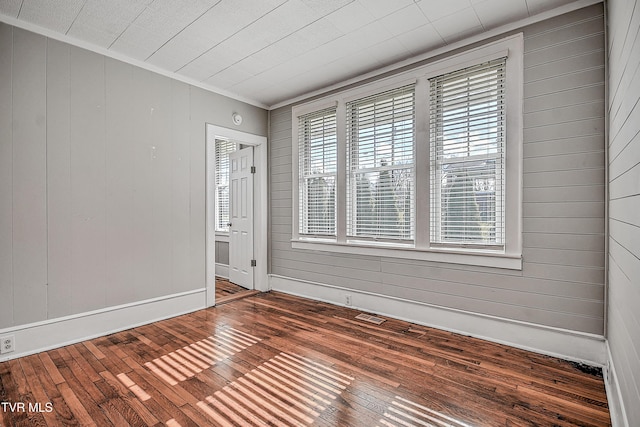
352	163
303	221
509	257
222	233
457	144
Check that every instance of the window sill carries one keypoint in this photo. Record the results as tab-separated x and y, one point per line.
222	237
452	256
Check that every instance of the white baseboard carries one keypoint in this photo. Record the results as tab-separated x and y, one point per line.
565	344
222	270
36	337
614	394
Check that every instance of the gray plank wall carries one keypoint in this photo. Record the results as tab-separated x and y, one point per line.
91	215
562	280
222	253
623	328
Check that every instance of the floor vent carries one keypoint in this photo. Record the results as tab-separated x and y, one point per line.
369	318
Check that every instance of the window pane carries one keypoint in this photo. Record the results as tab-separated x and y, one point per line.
317	148
381	135
320	205
467	125
383	204
223	149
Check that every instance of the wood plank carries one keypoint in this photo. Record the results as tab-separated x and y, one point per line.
81	416
116	406
129	398
25	397
39	382
80	394
51	368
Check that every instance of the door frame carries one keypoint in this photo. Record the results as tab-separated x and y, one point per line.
259	143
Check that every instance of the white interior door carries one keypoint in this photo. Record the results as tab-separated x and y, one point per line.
241	217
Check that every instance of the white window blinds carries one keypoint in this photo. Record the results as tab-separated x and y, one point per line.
317	152
223	148
467	137
381	162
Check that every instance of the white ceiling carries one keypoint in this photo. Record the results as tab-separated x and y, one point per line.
268	51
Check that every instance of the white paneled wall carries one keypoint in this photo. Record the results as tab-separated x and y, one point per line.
59	179
6	178
102	180
561	284
29	192
623	327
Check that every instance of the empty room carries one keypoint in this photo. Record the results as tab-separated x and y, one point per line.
320	213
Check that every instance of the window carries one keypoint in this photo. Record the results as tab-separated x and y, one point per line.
425	164
223	148
317	166
467	129
381	136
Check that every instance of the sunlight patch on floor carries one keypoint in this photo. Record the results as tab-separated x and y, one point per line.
286	390
192	359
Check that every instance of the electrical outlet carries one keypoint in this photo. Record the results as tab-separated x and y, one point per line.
347	300
7	344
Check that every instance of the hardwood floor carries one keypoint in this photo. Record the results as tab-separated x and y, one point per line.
227	291
275	359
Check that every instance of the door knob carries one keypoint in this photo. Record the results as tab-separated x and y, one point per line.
229	224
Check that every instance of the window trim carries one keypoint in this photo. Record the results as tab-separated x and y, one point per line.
351	162
295	166
511	256
219	231
329	111
438	122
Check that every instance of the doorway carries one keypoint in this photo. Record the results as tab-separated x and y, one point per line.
248	236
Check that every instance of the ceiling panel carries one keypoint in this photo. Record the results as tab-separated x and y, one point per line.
229	77
458	25
52	14
250	86
10	7
370	35
293	24
406	19
341	69
351	17
438	9
268	51
288	18
337	59
157	24
537	6
302	41
210	63
219	23
493	13
382	8
324	7
421	39
388	52
101	22
274	55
